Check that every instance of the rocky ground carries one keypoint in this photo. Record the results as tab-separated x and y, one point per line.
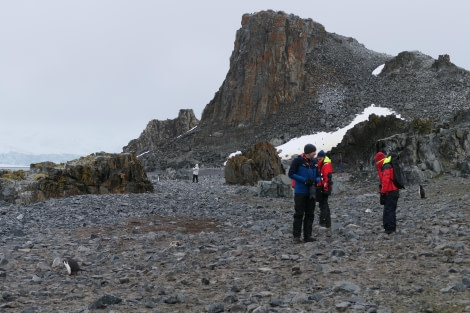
210	247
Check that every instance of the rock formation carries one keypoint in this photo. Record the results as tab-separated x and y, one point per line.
158	133
289	77
98	173
359	143
424	150
260	162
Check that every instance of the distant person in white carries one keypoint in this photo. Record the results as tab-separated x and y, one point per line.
195	173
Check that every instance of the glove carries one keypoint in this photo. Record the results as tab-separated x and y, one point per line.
309	182
382	198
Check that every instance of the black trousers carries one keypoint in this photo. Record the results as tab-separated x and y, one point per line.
325	215
390	209
195	178
304	215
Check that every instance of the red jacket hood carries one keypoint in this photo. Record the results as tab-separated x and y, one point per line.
379	156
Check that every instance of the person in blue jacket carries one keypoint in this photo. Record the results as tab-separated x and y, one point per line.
303	170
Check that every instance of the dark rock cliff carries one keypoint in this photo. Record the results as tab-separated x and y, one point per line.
289	77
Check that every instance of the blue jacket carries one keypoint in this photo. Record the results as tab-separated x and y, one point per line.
300	170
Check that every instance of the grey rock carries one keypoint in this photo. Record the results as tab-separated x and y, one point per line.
104	302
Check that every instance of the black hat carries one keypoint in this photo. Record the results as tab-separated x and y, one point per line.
309	148
321	154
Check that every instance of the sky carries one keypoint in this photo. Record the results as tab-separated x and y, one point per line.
84	76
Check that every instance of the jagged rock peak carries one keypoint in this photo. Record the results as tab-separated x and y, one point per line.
158	132
266	68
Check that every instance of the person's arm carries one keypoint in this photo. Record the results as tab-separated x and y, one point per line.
293	172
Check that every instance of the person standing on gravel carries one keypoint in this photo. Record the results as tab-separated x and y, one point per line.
303	170
388	190
325	170
196	173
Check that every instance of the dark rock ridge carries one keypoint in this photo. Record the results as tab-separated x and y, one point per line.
158	133
425	148
99	173
289	77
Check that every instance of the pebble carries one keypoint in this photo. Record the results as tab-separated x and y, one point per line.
212	247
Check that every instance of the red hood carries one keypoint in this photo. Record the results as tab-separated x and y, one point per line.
379	156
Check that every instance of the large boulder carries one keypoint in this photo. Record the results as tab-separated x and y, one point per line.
279	186
260	162
99	173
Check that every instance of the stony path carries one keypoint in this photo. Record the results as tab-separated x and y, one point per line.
209	247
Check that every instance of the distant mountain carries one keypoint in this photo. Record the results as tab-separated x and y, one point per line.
23	159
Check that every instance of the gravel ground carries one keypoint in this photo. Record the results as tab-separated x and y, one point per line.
211	247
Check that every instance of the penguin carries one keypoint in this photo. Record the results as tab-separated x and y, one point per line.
421	192
72	266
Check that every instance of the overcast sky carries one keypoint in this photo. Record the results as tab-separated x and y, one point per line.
81	76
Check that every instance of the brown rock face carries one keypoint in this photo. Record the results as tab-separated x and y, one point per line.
260	162
267	68
94	174
158	133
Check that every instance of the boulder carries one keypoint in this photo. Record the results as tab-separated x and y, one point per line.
260	162
279	186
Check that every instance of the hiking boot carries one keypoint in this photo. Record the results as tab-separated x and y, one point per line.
309	239
297	240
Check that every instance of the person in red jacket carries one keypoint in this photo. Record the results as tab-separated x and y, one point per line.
325	170
388	191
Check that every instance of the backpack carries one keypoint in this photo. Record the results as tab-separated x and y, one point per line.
399	178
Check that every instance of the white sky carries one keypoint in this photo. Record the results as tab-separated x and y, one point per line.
83	76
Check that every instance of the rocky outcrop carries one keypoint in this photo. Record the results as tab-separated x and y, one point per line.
99	173
288	77
429	155
425	151
158	133
260	162
359	143
267	68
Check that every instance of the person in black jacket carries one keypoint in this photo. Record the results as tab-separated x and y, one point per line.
303	170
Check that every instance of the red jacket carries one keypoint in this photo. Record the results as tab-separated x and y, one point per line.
385	172
325	168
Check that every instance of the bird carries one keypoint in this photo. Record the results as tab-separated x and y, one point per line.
72	266
421	192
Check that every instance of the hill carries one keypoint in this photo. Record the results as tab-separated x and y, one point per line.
289	77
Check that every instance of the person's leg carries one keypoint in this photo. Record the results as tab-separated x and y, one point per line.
299	206
389	214
309	217
325	217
